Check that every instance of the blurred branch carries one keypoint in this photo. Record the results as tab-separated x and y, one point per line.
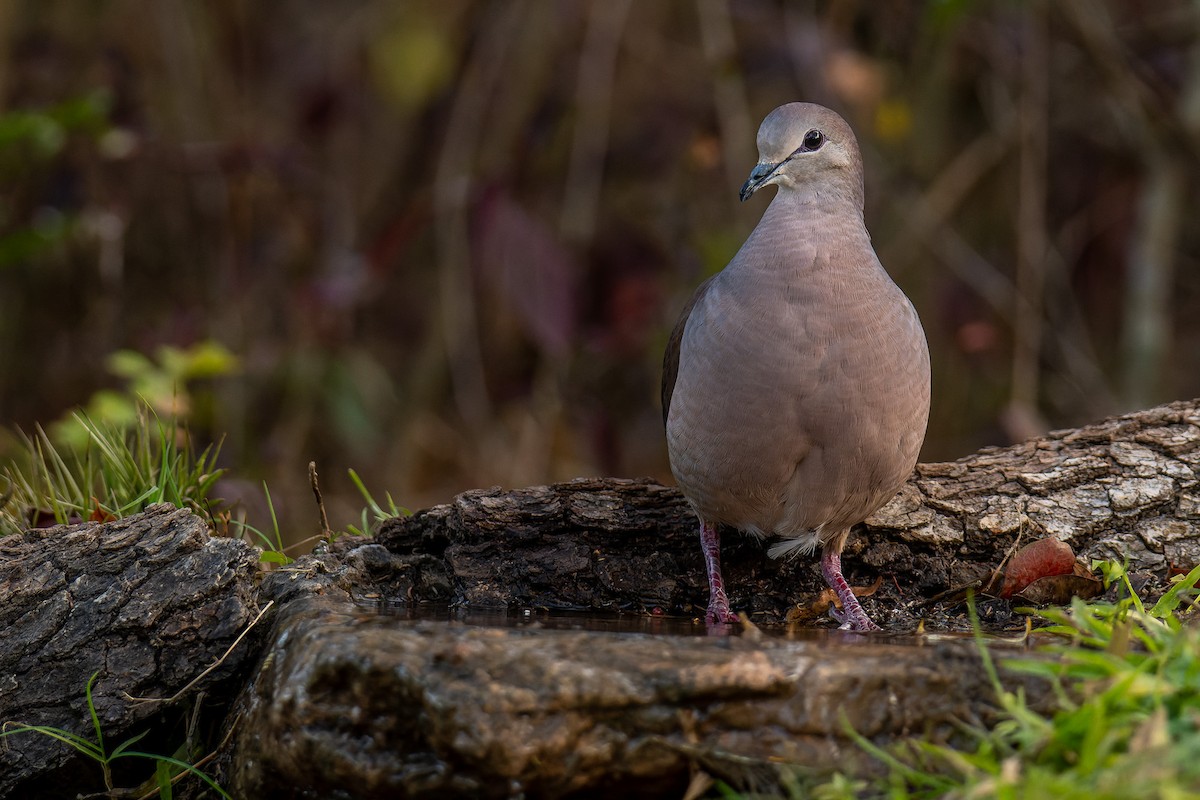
181	53
933	208
1168	147
452	192
1129	85
1150	276
1022	417
593	102
7	13
1072	344
729	90
927	216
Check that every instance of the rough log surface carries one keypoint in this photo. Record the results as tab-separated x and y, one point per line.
148	602
1126	488
357	704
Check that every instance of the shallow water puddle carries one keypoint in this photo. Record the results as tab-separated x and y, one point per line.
598	622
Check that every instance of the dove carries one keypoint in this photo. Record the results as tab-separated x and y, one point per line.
796	383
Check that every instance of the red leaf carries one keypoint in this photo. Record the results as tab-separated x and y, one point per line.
1040	559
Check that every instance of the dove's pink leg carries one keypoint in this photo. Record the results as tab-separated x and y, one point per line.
852	615
718	602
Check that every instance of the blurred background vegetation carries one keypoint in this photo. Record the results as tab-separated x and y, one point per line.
443	242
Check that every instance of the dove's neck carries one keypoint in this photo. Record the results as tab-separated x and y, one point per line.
839	197
825	212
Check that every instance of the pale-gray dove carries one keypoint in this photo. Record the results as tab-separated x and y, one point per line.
796	382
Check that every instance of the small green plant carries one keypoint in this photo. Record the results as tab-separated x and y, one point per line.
271	543
160	383
119	471
168	769
373	513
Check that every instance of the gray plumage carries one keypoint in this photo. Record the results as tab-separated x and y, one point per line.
796	383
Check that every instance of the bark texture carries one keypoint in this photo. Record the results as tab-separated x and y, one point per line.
1124	488
148	602
364	705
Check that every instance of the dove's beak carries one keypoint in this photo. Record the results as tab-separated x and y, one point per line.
758	176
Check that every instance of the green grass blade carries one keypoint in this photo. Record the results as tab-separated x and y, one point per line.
92	711
162	779
128	743
274	519
84	746
182	765
1176	595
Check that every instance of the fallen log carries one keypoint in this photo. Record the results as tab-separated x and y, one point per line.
1125	488
358	704
148	603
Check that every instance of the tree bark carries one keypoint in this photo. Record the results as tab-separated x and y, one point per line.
148	602
521	708
1124	488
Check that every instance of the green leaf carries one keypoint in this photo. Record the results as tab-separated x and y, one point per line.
129	364
1176	595
84	746
210	359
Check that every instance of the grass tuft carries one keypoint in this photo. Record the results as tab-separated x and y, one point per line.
119	471
373	513
1126	679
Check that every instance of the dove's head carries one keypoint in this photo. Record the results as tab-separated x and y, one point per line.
807	146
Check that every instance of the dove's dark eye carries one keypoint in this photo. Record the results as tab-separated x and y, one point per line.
813	140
